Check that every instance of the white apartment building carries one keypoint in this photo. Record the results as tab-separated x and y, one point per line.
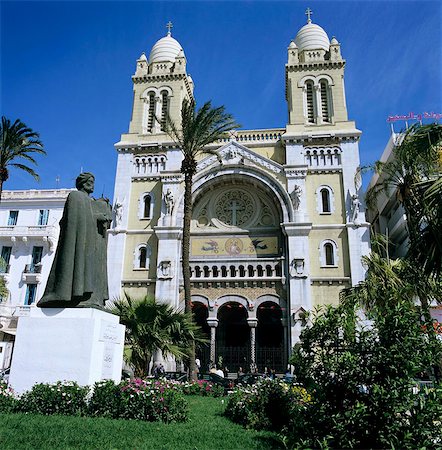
388	217
29	229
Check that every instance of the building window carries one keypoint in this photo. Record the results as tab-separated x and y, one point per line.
37	253
146	205
325	107
5	258
13	216
151	112
31	292
43	217
325	200
164	109
329	254
310	102
142	257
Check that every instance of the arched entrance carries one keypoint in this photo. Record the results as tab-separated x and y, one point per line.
233	337
270	338
200	315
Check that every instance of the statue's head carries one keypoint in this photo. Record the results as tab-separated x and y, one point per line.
85	182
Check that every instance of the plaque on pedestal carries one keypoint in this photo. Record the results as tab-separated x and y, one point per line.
73	344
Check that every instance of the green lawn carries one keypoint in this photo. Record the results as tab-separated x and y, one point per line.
206	429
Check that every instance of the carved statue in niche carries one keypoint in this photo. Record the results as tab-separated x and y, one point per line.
355	208
169	201
296	197
118	212
297	267
165	269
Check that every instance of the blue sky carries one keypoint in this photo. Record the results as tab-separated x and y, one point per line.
66	68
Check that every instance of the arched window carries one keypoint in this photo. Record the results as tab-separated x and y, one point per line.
325	199
164	109
151	112
147	203
310	102
325	109
142	257
329	253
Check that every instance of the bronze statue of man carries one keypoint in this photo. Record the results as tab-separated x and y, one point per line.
78	276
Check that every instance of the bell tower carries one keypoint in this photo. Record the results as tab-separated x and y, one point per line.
160	85
315	91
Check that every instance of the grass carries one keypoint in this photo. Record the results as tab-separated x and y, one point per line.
207	428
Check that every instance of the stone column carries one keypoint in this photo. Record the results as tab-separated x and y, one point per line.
253	323
213	323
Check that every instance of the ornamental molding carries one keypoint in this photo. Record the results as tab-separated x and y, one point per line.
159	77
296	172
236	154
316	171
317	65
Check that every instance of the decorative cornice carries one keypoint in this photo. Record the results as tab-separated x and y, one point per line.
159	77
330	280
323	170
297	172
234	151
299	67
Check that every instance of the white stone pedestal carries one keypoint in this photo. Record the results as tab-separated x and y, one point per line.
74	344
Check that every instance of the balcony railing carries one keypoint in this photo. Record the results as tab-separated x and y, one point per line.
268	269
33	268
30	231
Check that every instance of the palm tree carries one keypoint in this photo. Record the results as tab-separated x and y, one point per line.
3	289
17	141
198	130
414	174
152	326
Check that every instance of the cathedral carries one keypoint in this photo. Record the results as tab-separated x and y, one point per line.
278	226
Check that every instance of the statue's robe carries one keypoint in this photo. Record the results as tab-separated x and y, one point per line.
78	275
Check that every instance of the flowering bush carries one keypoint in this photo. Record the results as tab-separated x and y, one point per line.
7	398
149	400
203	388
63	397
266	404
104	399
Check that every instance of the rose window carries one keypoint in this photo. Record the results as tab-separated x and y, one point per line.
234	207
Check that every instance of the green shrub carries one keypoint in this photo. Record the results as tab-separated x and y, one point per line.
65	398
203	388
266	404
152	400
105	399
362	381
7	398
148	400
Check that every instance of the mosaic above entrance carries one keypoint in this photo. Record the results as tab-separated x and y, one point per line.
234	246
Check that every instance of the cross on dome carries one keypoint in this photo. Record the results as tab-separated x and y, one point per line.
308	13
169	27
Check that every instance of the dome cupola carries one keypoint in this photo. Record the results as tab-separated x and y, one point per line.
166	49
312	37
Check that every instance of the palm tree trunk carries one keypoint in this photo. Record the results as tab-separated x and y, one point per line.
1	189
188	181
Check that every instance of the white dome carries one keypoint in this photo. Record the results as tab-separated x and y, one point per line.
166	49
312	37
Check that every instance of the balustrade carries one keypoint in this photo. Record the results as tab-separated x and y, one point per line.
145	165
323	157
268	269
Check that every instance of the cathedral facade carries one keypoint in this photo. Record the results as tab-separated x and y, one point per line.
278	228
